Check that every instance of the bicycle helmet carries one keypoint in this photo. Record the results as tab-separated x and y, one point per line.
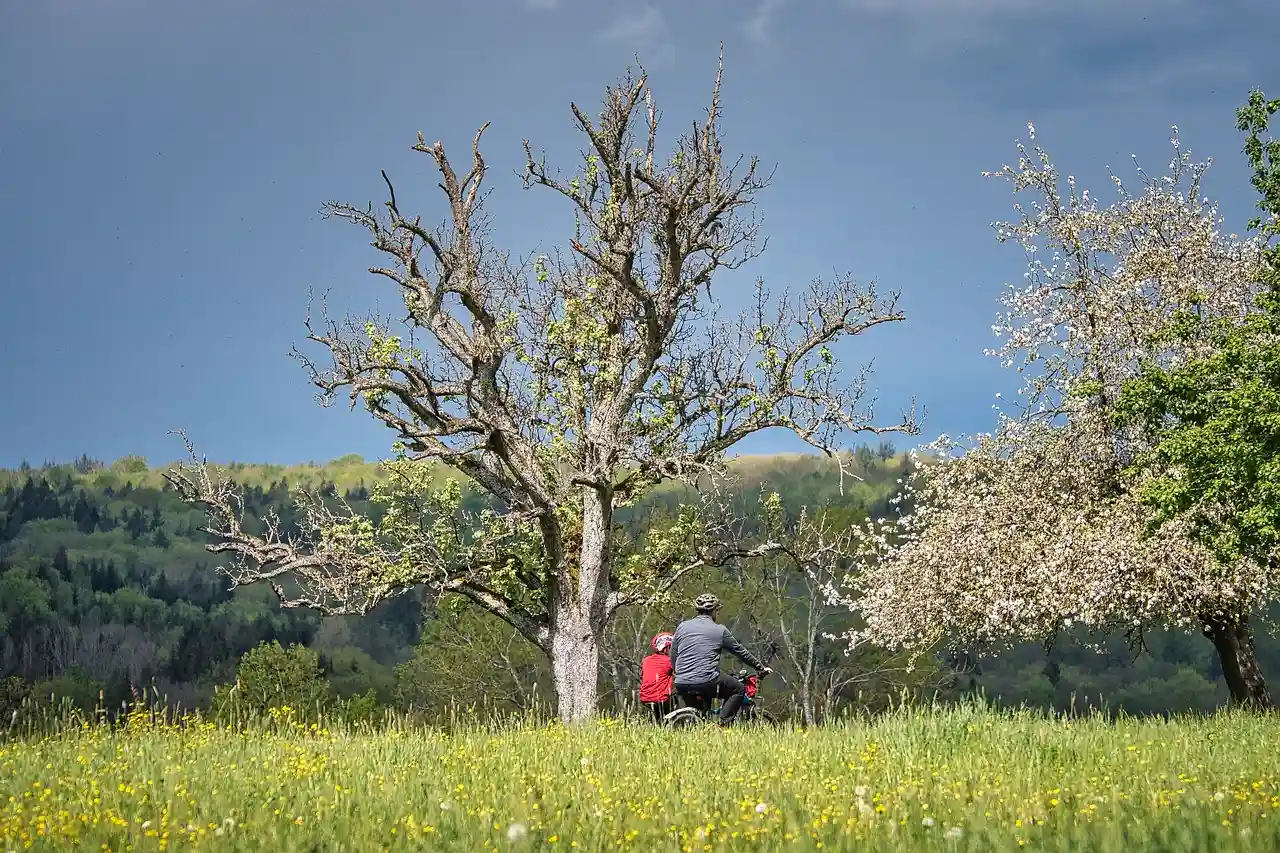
706	603
662	641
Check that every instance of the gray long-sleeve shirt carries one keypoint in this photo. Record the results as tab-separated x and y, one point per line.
695	650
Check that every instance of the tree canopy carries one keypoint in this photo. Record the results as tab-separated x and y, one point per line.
1037	527
565	386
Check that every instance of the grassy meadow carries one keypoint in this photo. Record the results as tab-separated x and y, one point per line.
937	779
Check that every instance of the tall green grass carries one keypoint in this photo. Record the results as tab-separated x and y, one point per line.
964	778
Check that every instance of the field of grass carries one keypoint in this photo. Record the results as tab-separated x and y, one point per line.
955	779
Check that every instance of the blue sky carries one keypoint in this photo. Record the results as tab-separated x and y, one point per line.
162	164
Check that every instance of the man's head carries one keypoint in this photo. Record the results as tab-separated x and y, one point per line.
706	605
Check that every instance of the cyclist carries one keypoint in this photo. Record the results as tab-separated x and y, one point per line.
655	678
695	657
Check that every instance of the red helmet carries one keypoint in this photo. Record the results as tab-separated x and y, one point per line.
661	641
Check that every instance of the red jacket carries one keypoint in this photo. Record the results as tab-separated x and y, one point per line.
656	678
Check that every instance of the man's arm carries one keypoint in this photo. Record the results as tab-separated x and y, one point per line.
740	651
671	652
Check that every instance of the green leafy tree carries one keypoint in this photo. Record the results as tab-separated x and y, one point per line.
272	676
353	672
564	388
467	657
24	603
1213	420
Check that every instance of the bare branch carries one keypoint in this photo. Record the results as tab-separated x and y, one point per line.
565	385
331	567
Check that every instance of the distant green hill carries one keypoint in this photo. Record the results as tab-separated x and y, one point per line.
104	582
353	472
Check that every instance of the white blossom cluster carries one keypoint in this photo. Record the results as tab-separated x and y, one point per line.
1024	534
1101	281
1032	528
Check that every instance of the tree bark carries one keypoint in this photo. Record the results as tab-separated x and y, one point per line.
813	626
1234	641
807	712
580	613
575	664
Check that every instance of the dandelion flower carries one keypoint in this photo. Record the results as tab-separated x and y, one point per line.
445	805
761	808
516	832
926	821
860	791
1219	797
955	832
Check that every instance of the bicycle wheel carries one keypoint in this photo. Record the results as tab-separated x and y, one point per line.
757	717
681	718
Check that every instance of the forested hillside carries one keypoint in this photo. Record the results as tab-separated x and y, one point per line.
104	585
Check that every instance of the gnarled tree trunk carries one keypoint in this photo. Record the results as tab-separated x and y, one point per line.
1233	638
580	612
575	663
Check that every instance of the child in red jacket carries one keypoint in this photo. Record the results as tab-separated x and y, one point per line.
657	679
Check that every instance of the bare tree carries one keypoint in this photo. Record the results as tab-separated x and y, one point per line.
564	387
789	596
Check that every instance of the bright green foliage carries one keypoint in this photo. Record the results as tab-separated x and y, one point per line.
24	602
272	676
424	527
469	659
1214	420
1254	119
663	542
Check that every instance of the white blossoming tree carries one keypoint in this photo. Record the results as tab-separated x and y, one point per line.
1037	527
562	389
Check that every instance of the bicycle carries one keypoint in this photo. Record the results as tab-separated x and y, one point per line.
703	710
